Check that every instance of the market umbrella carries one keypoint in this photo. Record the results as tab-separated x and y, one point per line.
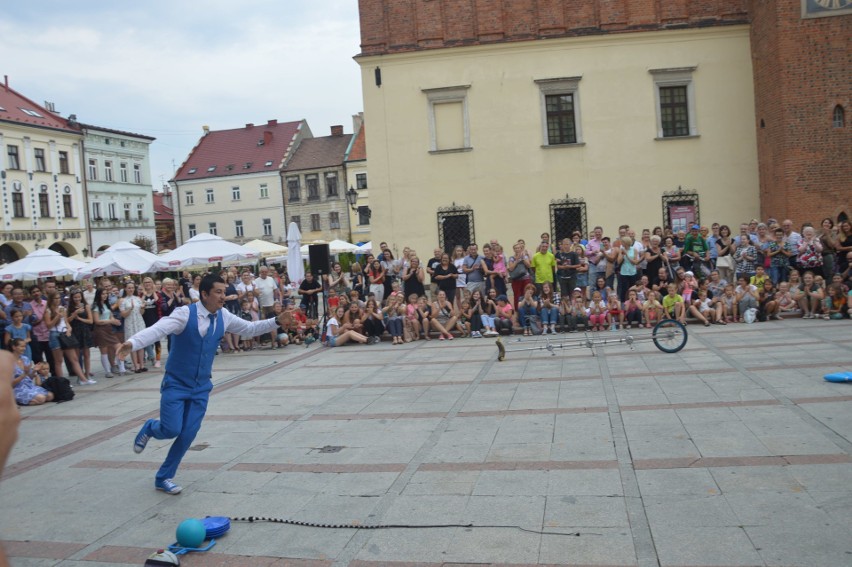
341	247
266	248
44	263
366	248
201	250
295	267
120	259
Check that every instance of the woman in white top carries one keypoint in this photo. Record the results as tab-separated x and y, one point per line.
56	319
132	307
194	293
338	334
461	281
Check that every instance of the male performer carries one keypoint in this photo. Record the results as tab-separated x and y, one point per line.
196	330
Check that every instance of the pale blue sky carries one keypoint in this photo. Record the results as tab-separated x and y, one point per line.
165	68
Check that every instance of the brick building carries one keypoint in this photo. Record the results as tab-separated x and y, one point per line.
793	95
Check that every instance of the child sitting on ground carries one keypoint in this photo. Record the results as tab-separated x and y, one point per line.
598	316
786	304
673	305
703	309
652	309
632	309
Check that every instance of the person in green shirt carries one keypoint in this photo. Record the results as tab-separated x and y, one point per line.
673	305
544	264
696	248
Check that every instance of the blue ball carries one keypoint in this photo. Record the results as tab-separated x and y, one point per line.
191	533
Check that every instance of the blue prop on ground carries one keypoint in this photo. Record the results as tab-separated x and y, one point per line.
191	533
839	377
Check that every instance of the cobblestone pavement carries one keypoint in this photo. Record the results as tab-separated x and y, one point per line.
733	451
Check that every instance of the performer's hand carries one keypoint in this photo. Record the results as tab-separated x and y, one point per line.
125	349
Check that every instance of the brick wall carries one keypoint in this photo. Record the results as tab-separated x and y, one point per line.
394	26
802	70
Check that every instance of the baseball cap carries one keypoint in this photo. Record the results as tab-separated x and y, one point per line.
689	273
696	227
577	289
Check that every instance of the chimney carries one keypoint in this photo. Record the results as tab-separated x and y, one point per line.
249	126
206	129
357	122
6	81
267	137
337	130
272	122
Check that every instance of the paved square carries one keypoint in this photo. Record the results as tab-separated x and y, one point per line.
733	451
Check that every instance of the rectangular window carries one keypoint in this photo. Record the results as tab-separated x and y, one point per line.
137	174
107	170
360	181
560	105
140	211
96	211
293	188
93	170
122	168
211	228
267	227
449	125
18	205
334	219
113	215
674	112
298	220
235	193
315	222
14	161
312	183
44	205
238	228
190	200
331	184
210	197
192	230
264	191
40	164
363	215
67	208
674	93
560	119
127	211
63	163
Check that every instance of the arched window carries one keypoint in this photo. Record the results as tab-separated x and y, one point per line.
838	119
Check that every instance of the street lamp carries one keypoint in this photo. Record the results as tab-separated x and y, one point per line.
352	199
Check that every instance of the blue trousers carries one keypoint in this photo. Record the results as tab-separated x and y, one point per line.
182	408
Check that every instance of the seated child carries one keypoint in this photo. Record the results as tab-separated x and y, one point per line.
598	314
633	309
652	309
673	305
786	304
703	309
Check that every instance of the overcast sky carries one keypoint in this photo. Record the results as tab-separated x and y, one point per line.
164	68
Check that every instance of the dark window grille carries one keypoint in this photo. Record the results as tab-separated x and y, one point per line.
567	216
331	185
560	119
18	205
363	215
293	188
455	227
680	197
674	111
360	181
67	208
312	183
44	204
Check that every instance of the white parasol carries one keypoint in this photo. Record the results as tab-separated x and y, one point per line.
120	259
266	248
341	247
202	250
44	263
366	248
295	267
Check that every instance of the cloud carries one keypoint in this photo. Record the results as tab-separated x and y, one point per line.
167	68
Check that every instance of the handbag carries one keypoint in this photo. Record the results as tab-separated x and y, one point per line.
519	272
726	261
68	341
60	387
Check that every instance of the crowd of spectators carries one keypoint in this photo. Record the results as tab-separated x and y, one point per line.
594	283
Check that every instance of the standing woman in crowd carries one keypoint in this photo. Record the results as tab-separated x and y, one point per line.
232	304
445	275
377	275
844	245
630	259
391	267
412	278
80	317
337	279
519	267
151	314
830	242
56	319
131	308
356	279
672	256
105	338
810	251
724	254
654	258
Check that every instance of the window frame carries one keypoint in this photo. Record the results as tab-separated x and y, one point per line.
122	172
312	186
44	205
360	181
92	169
239	229
188	198
316	222
127	211
97	212
264	191
107	170
675	77
364	215
267	227
14	157
334	220
213	228
235	193
67	207
64	163
18	210
112	210
838	117
192	230
209	196
137	174
560	86
332	187
294	188
443	95
40	162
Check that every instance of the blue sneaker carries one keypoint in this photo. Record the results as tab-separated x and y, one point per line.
167	486
142	437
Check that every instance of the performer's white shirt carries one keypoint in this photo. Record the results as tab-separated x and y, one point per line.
176	323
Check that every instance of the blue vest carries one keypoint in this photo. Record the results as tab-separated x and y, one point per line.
191	355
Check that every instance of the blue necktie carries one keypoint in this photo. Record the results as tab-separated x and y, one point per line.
209	335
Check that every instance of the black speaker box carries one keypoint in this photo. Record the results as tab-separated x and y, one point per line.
319	258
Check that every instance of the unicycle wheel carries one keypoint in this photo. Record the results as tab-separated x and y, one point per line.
669	335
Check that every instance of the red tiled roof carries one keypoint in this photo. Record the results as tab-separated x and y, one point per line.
315	153
243	150
13	102
359	147
161	211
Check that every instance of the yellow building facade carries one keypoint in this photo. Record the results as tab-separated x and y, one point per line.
515	139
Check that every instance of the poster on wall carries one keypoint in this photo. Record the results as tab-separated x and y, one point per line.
681	217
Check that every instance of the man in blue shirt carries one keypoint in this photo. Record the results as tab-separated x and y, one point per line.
196	330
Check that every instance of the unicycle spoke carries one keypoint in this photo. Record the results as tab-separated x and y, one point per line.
669	336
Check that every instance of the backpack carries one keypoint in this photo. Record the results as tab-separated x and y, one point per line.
534	324
60	387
